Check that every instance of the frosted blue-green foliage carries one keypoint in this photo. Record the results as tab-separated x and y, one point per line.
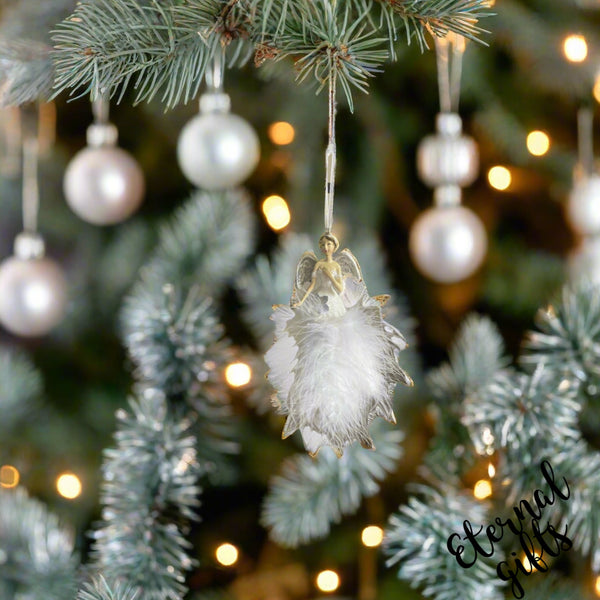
415	541
150	480
37	551
99	589
20	388
309	495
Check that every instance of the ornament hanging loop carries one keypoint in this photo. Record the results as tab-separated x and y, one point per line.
449	70
330	153
585	140
215	73
31	197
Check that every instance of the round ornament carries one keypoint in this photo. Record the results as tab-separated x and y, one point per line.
103	184
448	243
216	149
448	157
33	289
583	207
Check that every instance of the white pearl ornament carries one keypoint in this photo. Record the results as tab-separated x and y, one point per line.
103	184
583	207
33	289
448	243
216	149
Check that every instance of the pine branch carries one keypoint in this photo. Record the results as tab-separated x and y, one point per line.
99	589
20	388
310	494
149	486
38	560
416	540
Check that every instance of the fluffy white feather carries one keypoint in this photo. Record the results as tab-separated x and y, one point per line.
334	365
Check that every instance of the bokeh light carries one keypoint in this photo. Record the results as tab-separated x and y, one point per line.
328	581
598	586
227	554
68	486
238	374
281	133
277	212
9	476
491	470
538	143
597	88
372	536
482	489
499	178
575	48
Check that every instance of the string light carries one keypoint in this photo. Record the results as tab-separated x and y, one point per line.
482	489
238	374
598	586
68	486
499	178
372	536
9	476
227	554
527	563
597	88
575	48
276	212
538	143
328	581
281	133
491	470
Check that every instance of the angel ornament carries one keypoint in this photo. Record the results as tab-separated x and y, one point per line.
334	360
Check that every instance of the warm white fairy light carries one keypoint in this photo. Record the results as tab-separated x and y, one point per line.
575	48
491	470
527	563
68	486
372	536
598	585
9	476
482	489
328	581
238	374
281	133
538	143
227	554
597	88
499	177
277	212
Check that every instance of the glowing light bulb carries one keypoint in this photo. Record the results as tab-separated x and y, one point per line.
527	563
538	143
597	88
281	133
277	212
227	554
491	470
9	476
328	581
482	489
575	48
372	536
598	586
68	486
238	374
499	178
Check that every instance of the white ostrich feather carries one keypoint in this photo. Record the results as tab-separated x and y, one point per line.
334	360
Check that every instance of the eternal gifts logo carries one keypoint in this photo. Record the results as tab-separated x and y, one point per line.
549	540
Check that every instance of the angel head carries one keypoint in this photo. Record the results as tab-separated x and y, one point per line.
328	244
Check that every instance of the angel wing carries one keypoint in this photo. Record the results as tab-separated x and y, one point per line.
349	265
304	272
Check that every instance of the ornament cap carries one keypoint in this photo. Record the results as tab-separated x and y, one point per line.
447	195
29	245
448	123
102	134
215	103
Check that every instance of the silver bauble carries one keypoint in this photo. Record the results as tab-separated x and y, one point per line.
584	261
217	150
33	295
448	243
104	185
583	207
448	158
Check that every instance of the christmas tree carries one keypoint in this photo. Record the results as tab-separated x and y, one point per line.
152	347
